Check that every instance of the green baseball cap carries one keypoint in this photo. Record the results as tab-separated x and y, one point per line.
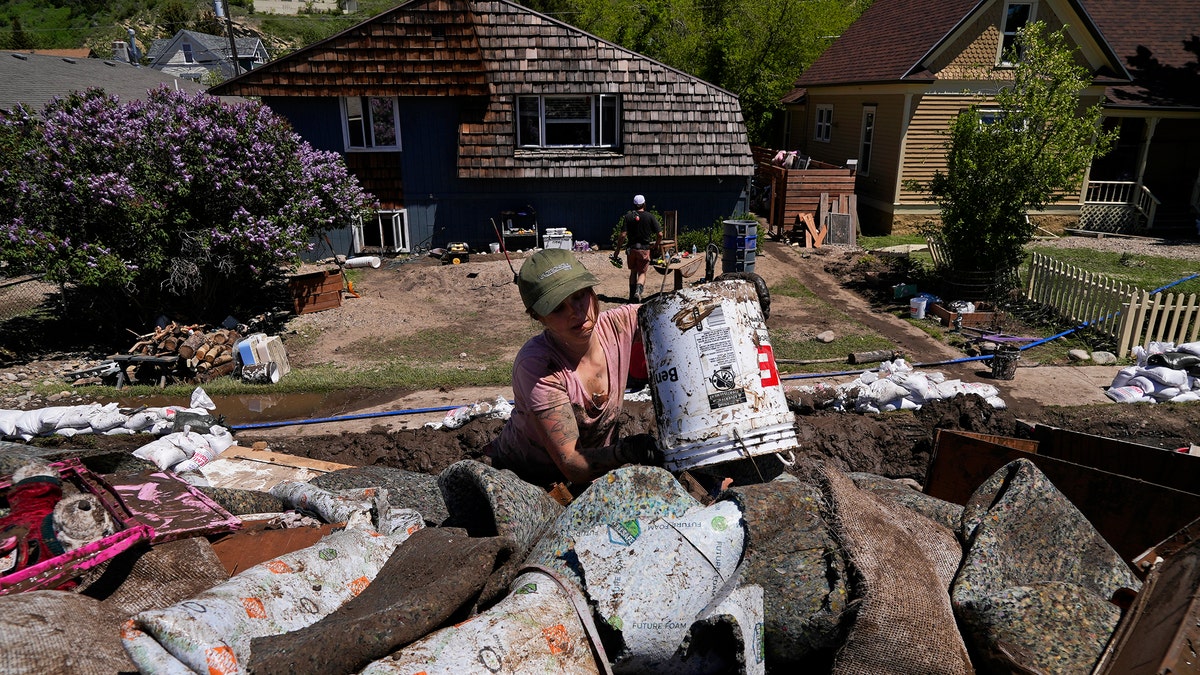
550	276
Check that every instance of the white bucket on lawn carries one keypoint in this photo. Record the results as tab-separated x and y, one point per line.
916	307
716	391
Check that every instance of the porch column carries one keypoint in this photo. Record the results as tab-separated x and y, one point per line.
1140	175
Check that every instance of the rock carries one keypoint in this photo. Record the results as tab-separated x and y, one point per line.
1104	358
54	397
1079	355
826	336
11	377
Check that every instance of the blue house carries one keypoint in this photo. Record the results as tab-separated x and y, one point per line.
457	114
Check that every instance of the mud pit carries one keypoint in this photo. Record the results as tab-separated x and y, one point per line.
896	445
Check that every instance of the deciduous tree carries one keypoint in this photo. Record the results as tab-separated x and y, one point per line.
1030	150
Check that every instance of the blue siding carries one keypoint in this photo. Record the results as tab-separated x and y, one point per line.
443	208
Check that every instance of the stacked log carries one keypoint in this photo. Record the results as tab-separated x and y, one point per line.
205	354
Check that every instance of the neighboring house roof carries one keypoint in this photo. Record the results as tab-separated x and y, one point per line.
1153	42
1158	42
887	41
892	39
494	50
34	79
217	44
81	53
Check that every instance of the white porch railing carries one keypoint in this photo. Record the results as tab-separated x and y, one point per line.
1125	192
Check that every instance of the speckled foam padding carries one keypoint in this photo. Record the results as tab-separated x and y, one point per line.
1036	578
405	489
486	502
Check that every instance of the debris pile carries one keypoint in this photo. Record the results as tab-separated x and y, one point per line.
814	569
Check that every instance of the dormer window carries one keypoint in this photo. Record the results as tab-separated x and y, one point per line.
1016	16
568	121
187	53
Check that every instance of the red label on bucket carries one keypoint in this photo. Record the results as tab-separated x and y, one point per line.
767	372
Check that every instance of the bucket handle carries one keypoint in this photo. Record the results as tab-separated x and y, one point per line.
790	461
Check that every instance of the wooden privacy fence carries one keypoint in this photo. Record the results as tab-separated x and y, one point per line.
1158	318
1078	295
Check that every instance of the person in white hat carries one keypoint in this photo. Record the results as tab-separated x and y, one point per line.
643	233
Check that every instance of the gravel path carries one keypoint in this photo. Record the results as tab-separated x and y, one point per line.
1166	248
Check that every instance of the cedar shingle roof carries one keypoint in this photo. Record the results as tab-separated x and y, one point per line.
494	50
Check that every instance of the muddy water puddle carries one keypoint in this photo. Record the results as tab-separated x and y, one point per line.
251	408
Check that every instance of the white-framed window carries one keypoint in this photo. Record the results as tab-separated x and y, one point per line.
370	122
867	140
572	121
386	232
1016	16
823	128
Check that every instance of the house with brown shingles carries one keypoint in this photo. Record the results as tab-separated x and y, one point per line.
454	112
887	89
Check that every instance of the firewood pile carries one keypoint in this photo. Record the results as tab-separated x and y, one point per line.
204	354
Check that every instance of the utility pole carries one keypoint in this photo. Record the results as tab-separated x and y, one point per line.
220	9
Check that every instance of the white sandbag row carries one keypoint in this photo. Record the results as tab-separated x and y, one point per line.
1147	383
896	386
186	450
92	418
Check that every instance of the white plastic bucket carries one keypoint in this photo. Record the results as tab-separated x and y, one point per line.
494	247
716	391
916	307
363	261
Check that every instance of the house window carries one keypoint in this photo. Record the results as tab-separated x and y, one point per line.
187	53
1016	15
824	126
371	122
569	121
868	139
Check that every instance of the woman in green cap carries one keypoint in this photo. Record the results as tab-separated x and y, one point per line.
568	381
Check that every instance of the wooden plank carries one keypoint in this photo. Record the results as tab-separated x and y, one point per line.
281	459
1153	465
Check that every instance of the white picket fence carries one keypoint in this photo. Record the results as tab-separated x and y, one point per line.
1158	318
1078	295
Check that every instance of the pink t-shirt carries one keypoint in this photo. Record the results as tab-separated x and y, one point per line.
543	378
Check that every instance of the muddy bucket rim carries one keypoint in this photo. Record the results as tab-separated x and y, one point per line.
1004	363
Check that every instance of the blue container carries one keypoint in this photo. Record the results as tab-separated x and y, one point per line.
739	243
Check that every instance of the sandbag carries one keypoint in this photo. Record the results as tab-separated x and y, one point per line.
145	578
1036	576
1178	360
541	627
904	563
212	631
429	579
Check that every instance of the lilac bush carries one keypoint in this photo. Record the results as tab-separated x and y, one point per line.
168	202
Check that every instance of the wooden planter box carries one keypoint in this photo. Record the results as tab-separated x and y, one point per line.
984	315
316	291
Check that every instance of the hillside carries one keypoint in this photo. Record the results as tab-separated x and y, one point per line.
54	24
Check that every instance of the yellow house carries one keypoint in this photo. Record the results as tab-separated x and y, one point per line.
887	89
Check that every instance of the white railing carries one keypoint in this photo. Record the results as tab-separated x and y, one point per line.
1123	192
1158	318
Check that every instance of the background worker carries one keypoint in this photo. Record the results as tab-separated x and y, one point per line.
643	233
569	380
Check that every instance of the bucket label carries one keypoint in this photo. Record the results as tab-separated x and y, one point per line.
719	359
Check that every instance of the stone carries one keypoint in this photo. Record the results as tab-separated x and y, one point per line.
1104	358
1079	355
825	336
